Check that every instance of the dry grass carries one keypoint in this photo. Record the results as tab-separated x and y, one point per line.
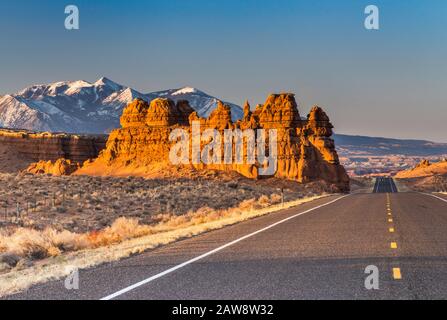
124	238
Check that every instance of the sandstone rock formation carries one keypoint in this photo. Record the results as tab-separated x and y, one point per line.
20	148
305	152
424	169
423	164
60	167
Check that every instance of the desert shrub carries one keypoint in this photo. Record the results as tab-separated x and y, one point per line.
30	243
66	240
247	204
275	198
61	209
264	201
122	229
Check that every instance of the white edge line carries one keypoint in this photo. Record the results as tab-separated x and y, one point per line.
432	195
392	185
184	264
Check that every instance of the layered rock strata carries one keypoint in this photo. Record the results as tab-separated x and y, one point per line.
30	147
305	149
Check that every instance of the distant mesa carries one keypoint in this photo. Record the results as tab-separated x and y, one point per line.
306	151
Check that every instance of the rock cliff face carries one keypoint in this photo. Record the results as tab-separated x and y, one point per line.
305	150
26	147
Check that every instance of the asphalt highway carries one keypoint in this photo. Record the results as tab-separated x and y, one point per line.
385	185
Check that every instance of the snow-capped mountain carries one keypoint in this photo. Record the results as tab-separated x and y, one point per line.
83	107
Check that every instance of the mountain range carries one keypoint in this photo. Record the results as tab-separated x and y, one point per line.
350	145
84	107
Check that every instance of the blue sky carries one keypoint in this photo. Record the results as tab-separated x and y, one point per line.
390	82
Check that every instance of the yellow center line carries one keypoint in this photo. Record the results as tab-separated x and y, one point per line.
397	274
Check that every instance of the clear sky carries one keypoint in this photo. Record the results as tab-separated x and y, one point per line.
391	82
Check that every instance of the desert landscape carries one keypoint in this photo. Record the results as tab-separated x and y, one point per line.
62	193
215	151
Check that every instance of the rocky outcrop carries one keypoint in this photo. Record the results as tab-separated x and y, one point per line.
305	149
423	164
60	167
26	147
425	169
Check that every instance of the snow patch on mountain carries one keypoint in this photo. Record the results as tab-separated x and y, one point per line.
202	102
186	90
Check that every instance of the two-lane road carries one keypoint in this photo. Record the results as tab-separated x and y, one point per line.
319	250
385	185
